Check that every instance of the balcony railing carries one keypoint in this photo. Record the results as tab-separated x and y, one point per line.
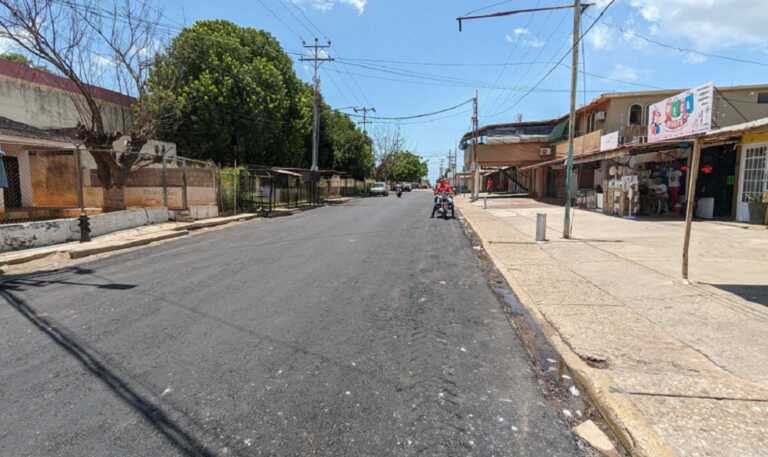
584	144
633	134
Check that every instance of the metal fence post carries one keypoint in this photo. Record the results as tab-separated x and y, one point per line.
164	178
184	200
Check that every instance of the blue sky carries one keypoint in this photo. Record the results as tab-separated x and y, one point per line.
420	62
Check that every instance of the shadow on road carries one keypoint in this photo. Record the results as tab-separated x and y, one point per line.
757	293
183	441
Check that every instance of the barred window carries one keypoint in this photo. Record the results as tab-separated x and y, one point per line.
755	173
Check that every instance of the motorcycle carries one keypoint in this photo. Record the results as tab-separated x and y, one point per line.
399	192
444	204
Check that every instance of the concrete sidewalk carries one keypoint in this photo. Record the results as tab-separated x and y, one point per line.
676	368
47	256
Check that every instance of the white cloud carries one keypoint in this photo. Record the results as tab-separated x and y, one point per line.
521	31
6	45
694	58
624	72
101	62
600	37
326	5
707	24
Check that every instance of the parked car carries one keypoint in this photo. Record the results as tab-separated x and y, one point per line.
379	189
407	187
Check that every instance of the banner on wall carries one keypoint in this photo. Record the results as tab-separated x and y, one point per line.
684	114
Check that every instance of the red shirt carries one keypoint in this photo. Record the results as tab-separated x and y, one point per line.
443	187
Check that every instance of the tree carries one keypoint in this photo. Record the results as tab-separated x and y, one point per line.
389	142
342	145
70	36
407	167
229	93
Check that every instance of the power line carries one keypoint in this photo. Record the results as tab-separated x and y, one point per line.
682	49
554	67
417	116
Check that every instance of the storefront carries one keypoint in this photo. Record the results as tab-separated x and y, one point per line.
641	183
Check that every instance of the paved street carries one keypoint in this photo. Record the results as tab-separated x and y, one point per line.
360	330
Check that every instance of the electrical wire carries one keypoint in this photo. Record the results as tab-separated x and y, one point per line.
551	70
417	116
682	49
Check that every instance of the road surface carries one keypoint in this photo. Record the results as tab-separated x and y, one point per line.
365	329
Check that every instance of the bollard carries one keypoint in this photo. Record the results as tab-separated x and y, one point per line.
485	202
85	228
541	227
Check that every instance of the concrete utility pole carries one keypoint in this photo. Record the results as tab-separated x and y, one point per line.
365	121
316	60
475	164
578	9
572	117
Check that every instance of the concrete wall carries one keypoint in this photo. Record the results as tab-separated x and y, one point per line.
44	233
47	107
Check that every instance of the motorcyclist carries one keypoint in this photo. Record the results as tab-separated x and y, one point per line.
442	186
399	189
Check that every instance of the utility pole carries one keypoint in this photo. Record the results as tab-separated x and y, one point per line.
572	117
578	9
316	60
475	164
365	121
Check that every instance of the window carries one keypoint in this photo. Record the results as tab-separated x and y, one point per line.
635	115
762	97
755	173
591	122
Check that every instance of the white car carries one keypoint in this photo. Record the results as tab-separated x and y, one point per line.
379	189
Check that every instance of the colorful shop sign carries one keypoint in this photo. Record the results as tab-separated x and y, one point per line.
681	115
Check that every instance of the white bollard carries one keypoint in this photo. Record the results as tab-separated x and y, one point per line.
541	227
485	202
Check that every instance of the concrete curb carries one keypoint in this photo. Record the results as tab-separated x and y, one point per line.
118	245
29	257
214	223
622	416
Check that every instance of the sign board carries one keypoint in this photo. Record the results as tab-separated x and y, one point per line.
609	141
682	115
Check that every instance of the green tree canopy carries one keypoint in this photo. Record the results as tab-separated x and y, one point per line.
407	167
342	145
225	93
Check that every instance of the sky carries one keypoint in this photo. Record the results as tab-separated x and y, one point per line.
407	57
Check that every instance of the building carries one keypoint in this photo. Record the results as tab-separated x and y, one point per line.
504	148
611	142
37	109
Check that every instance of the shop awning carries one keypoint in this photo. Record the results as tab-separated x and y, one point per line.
559	132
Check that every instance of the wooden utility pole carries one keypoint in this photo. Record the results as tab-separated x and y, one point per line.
690	193
365	120
316	60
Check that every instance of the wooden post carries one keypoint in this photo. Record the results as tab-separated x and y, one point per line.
690	192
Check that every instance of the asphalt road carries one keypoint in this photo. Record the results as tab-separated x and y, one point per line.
365	329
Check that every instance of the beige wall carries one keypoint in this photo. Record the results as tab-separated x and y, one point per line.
47	107
514	154
617	109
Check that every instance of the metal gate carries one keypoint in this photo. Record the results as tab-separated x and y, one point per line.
12	193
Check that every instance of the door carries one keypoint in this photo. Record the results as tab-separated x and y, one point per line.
12	193
754	178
